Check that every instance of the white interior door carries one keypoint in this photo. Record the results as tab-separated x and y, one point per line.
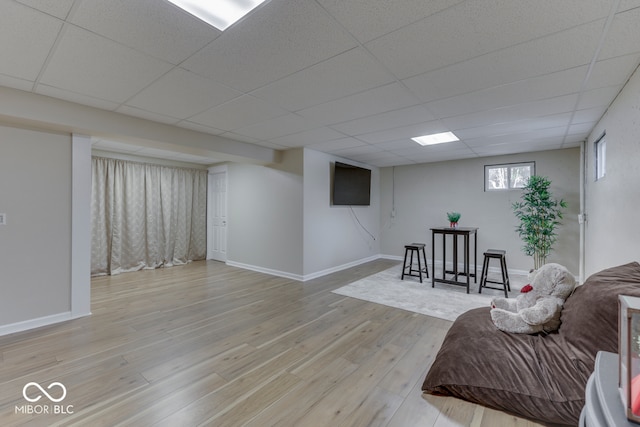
217	214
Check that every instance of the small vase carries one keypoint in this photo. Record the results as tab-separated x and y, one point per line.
453	224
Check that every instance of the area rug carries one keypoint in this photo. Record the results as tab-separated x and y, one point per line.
444	301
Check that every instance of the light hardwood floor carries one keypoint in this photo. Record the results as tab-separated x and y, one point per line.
208	344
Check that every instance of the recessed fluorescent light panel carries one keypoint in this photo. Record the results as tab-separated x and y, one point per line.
436	138
219	13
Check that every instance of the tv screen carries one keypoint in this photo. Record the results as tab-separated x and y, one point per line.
351	185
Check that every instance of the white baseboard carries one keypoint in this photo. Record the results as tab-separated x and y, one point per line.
299	277
264	270
36	323
392	257
339	268
304	278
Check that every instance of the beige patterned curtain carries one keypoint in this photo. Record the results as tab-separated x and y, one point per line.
146	216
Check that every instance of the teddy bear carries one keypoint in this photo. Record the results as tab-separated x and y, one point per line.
538	307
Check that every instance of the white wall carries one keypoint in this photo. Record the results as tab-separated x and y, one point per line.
333	237
265	216
35	245
281	220
612	204
425	193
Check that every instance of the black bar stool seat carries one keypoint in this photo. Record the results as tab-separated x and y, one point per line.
500	255
409	270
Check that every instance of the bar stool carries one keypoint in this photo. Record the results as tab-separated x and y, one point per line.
495	254
409	250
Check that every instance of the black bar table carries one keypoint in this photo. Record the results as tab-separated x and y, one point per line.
465	232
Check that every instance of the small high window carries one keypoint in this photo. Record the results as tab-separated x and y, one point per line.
601	157
507	176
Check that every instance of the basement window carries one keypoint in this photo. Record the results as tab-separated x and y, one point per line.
507	176
601	157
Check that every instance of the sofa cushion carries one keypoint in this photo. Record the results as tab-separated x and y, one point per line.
590	315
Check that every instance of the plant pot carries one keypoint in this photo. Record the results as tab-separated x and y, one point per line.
453	225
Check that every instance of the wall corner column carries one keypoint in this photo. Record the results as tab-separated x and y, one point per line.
80	226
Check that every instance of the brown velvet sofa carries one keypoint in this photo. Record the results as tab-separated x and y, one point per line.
540	377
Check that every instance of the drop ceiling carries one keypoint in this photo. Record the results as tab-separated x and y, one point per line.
355	78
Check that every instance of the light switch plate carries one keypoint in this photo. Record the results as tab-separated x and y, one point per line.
3	219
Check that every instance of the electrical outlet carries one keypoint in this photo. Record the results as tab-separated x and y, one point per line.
3	219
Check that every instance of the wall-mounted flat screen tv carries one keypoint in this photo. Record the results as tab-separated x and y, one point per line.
351	185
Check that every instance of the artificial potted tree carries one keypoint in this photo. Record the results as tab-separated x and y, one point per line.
539	214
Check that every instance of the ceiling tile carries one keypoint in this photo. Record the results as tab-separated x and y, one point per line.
628	4
552	133
474	28
437	148
281	38
345	74
277	127
368	19
405	132
101	68
150	26
545	107
336	76
36	39
182	94
383	121
623	37
516	127
309	137
539	57
357	151
515	149
379	100
373	157
336	144
238	113
58	8
581	128
592	115
401	144
422	156
600	97
392	161
520	92
611	72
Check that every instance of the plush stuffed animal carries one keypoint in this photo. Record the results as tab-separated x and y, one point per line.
539	305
